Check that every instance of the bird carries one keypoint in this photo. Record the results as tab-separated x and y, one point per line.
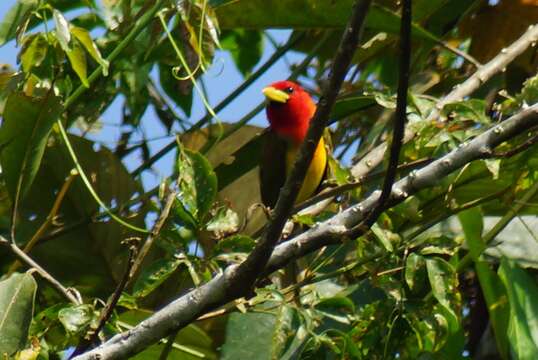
289	110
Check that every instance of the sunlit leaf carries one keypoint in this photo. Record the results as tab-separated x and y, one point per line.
224	222
62	30
154	275
85	39
16	15
444	283
77	58
76	319
17	294
33	54
197	182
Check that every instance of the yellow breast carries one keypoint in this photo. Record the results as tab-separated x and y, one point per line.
315	172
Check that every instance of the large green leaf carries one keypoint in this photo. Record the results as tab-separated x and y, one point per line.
197	183
523	324
245	46
17	294
494	292
249	336
444	282
23	137
304	14
14	18
33	54
90	254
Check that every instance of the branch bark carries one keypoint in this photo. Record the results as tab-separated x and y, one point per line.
188	307
333	230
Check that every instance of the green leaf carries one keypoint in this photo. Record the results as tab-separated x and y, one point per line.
77	58
197	182
17	295
523	324
154	275
33	54
494	293
76	319
245	46
306	14
350	105
467	110
85	39
16	15
249	336
23	137
444	283
415	272
385	237
62	30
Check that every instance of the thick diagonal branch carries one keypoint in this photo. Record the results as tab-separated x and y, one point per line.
237	281
183	310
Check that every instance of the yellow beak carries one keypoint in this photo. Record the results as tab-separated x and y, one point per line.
276	95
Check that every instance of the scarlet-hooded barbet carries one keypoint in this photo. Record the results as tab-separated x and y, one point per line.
289	111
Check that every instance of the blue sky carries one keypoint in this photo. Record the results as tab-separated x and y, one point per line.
220	80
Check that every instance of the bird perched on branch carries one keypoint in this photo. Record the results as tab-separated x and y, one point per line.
289	111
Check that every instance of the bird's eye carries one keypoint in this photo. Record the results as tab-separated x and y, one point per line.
288	90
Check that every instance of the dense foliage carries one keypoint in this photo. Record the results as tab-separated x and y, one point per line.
90	251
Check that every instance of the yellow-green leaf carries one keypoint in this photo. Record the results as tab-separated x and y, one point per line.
77	58
85	39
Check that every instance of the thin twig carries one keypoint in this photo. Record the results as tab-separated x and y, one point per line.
49	220
93	335
399	120
458	52
517	149
135	269
24	258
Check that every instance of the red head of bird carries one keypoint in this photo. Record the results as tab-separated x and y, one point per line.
289	110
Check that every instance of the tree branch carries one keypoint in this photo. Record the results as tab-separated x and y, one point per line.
188	307
24	258
137	263
236	281
333	230
483	74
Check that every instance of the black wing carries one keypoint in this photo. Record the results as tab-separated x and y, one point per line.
272	167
